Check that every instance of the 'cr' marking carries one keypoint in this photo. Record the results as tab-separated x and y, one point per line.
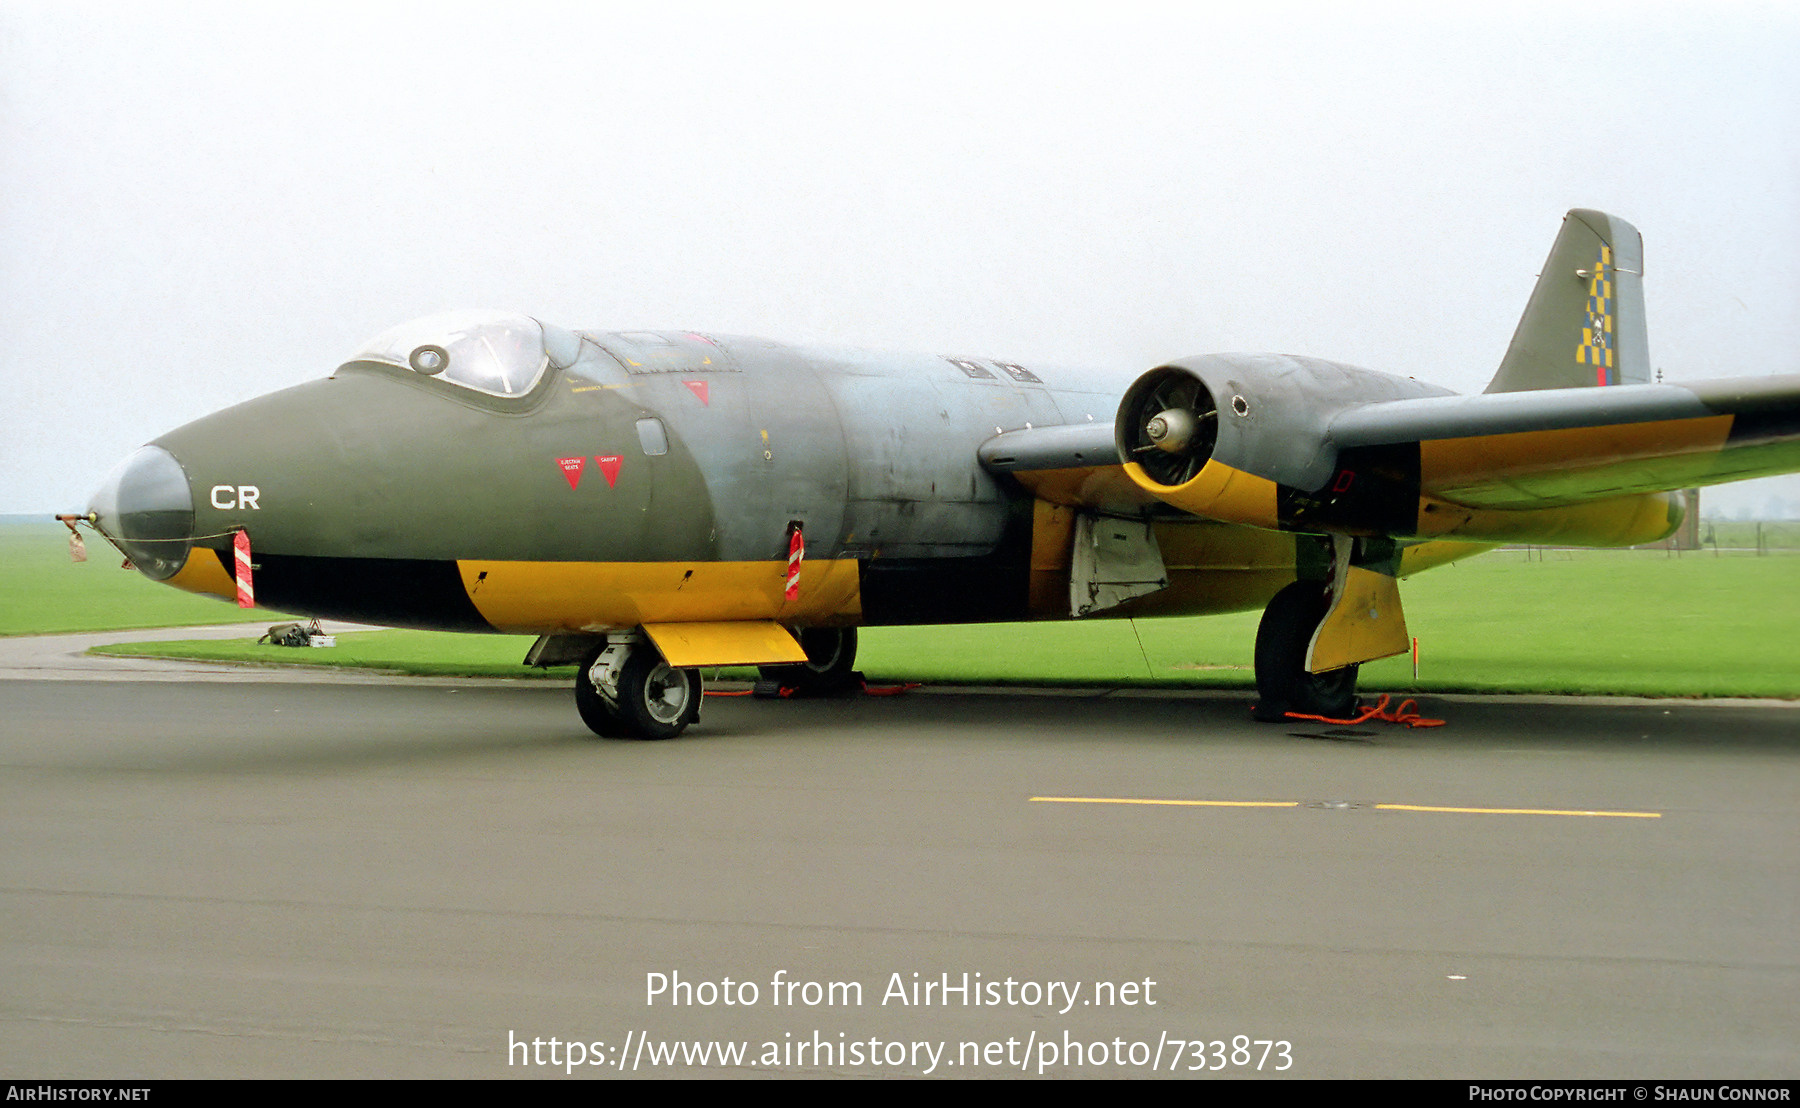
236	496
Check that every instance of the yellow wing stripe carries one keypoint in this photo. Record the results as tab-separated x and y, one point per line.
1445	463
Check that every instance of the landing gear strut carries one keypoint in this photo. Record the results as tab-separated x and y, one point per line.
1282	681
624	689
830	665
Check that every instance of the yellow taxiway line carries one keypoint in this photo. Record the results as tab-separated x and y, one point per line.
1378	807
1185	803
1517	811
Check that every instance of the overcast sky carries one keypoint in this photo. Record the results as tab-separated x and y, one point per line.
202	203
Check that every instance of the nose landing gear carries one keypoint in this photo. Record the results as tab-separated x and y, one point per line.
624	689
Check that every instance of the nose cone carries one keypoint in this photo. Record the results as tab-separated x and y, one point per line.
145	508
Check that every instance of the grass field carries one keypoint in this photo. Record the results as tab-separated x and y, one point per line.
42	592
1620	622
1780	534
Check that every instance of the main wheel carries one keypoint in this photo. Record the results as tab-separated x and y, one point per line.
656	700
1282	680
830	664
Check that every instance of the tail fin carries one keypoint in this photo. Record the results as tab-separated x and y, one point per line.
1584	324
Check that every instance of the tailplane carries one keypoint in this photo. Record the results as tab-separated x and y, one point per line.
1584	324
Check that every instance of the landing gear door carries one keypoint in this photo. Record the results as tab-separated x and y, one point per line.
1113	561
1365	620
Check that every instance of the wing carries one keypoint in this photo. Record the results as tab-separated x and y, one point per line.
1562	447
1582	466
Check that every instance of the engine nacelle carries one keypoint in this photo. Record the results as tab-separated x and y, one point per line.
1218	435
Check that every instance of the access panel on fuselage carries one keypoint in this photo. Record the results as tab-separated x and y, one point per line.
915	488
763	433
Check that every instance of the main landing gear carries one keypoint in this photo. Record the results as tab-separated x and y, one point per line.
624	689
830	665
1283	683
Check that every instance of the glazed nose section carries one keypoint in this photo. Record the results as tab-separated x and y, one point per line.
145	508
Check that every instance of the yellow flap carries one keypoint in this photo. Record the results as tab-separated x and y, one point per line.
739	643
1364	624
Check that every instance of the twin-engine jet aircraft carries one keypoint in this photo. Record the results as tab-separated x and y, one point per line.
648	503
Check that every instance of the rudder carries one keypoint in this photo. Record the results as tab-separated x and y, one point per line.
1584	324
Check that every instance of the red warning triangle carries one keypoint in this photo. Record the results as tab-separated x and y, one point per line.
699	389
571	468
609	467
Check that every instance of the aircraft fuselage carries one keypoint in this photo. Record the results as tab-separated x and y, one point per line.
652	503
654	479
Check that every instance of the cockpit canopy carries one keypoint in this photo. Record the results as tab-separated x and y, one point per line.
490	352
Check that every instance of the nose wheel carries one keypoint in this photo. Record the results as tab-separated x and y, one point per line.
625	689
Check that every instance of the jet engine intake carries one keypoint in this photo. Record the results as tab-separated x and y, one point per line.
1168	423
1244	438
1169	433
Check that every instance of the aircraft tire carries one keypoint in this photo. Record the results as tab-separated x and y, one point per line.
599	716
656	701
1282	682
830	665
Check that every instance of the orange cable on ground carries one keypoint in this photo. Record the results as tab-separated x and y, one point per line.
788	691
889	690
1407	712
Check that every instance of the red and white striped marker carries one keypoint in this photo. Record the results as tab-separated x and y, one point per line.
246	587
796	551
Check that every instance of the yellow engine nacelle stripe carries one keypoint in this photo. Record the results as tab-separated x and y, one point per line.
1218	491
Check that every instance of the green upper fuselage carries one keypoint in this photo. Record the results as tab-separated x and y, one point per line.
599	447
